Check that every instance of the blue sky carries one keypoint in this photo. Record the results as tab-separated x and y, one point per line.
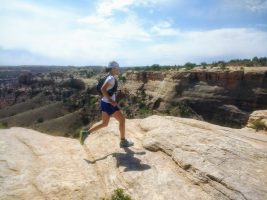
133	32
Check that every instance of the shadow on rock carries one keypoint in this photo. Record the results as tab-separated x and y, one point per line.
126	160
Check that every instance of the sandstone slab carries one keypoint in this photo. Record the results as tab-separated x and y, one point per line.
173	158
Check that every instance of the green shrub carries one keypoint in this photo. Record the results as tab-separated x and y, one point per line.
258	124
204	64
3	125
26	78
222	65
144	111
189	65
118	194
74	83
40	120
122	79
155	67
184	109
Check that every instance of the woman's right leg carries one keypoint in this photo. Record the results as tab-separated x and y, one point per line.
99	125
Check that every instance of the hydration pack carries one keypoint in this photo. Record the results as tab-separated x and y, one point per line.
100	83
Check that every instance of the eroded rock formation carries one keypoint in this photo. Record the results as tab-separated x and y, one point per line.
211	94
173	158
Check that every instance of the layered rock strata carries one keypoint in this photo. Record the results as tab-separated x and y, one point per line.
211	94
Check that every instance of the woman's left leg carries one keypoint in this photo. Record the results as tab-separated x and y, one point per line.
121	119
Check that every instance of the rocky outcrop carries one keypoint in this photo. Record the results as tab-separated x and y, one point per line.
173	158
210	93
222	161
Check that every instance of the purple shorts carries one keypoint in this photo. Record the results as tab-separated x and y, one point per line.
108	108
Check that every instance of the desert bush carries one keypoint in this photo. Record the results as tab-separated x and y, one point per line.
25	78
204	64
144	112
155	67
258	125
122	79
74	83
45	82
3	125
222	65
40	120
185	110
118	194
189	65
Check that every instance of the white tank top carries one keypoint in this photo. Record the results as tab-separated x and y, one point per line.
111	80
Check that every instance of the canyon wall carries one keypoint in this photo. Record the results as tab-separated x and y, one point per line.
224	97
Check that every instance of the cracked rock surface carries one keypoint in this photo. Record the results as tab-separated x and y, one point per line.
173	158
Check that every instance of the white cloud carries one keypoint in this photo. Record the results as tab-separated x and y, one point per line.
100	37
23	7
103	23
149	3
194	45
107	7
253	5
164	28
96	21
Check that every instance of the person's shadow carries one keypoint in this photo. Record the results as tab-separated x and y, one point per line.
127	160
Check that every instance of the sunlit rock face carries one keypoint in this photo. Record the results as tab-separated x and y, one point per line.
211	94
173	158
